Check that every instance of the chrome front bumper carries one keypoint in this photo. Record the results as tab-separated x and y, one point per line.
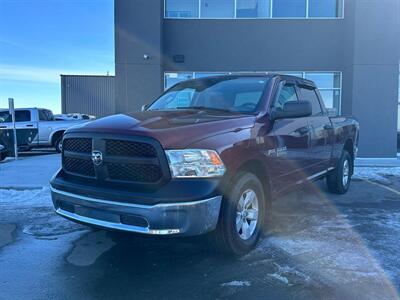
186	218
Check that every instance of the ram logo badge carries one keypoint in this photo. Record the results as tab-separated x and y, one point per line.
97	157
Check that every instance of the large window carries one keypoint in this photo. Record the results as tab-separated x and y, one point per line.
289	9
325	8
182	9
217	9
253	9
328	83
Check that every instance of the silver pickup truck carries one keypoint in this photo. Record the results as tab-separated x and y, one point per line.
49	131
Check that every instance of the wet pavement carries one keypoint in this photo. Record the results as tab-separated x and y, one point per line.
318	246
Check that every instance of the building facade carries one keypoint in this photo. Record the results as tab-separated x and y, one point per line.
88	94
350	48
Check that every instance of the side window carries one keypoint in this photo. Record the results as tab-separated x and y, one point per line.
287	93
22	116
43	116
309	94
5	116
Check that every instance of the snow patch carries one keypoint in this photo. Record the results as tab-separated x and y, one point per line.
380	174
237	283
279	277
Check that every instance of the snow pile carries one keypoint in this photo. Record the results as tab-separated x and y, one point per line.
33	210
376	174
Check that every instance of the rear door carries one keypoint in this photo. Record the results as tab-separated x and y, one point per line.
46	124
290	155
320	126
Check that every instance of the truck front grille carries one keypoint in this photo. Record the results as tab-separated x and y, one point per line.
125	160
82	145
79	166
128	148
132	172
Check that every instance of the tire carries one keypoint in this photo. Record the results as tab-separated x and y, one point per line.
58	144
230	236
338	180
3	156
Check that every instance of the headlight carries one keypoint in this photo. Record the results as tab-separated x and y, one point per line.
194	163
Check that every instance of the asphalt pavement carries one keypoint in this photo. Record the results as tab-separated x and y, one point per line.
319	246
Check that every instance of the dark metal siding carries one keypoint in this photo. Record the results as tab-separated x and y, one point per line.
94	95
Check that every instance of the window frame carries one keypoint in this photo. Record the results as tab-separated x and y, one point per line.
271	4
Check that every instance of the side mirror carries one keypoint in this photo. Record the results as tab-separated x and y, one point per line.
144	107
293	109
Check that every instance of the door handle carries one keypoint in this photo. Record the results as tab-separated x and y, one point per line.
29	125
3	126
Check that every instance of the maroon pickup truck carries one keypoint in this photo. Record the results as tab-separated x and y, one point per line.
208	156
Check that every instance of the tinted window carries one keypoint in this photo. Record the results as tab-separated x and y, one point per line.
5	116
182	9
289	9
217	9
22	116
252	8
45	115
325	8
287	93
311	95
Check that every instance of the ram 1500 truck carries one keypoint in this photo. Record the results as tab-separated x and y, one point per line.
208	155
49	131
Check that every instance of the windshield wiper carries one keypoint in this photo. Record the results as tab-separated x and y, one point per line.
206	108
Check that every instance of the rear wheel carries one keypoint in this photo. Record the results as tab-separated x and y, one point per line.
3	156
338	180
242	215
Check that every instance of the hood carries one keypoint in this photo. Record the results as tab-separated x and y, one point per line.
173	129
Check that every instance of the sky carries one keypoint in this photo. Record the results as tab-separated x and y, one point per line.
41	39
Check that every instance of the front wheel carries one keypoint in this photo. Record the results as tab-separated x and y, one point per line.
338	180
58	145
242	215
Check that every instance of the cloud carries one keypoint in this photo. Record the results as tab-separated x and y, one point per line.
37	74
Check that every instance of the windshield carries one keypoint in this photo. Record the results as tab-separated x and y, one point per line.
232	94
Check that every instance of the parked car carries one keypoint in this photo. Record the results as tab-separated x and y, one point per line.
49	131
73	116
3	152
208	155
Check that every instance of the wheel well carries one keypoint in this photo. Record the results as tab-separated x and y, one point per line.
56	135
256	167
349	147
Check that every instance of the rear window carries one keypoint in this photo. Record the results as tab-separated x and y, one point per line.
310	95
22	116
45	115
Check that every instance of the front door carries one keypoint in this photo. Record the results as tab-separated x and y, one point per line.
289	158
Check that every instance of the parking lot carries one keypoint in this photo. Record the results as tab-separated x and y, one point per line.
319	246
